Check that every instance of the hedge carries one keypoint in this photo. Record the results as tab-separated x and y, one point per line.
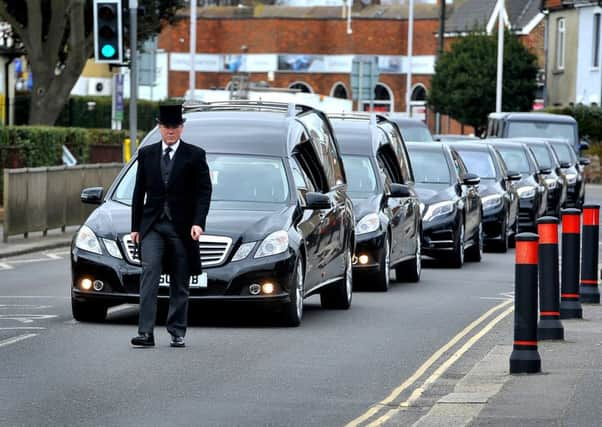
77	113
588	118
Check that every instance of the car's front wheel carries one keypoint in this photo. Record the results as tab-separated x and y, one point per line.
409	271
339	295
475	252
293	310
456	259
84	311
382	276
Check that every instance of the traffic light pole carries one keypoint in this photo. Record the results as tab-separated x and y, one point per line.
133	74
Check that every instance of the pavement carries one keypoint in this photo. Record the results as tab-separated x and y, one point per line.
35	242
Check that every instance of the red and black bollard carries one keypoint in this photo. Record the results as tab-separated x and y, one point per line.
570	304
589	257
525	357
550	327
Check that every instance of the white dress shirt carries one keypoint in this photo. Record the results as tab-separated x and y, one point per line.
174	147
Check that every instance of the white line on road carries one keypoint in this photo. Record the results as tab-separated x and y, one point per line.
33	306
376	408
5	266
54	256
16	339
32	296
27	318
24	328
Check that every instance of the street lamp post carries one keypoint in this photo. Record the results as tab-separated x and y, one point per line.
500	57
410	53
192	73
133	74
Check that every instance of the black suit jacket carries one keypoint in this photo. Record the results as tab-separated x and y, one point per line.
188	194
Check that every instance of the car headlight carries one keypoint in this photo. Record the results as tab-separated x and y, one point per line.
526	192
438	209
571	178
87	240
276	243
492	201
551	183
367	224
112	248
243	251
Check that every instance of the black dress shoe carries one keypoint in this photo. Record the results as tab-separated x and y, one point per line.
144	340
177	341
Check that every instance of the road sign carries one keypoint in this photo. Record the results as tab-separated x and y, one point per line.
364	76
117	110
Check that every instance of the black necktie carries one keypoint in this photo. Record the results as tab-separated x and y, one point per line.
166	158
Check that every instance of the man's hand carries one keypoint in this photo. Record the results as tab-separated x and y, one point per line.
135	237
195	232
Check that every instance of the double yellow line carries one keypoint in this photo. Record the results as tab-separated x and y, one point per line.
369	417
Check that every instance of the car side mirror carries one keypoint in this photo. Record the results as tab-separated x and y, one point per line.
545	171
584	161
317	201
514	176
399	191
92	195
471	179
565	165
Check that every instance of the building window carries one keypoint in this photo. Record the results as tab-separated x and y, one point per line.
596	41
301	86
419	93
383	99
339	91
560	43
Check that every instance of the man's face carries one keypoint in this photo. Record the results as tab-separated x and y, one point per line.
171	133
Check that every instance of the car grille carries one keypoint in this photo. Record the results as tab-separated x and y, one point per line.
213	250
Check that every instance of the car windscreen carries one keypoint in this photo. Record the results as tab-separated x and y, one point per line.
430	167
235	178
479	163
516	159
416	134
361	177
543	156
535	129
564	152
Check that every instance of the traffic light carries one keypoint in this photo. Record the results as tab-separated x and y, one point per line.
108	34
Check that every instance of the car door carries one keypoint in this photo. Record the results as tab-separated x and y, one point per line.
472	199
510	195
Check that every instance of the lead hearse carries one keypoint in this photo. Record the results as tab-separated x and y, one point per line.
280	227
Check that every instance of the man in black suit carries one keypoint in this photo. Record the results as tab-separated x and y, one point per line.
169	208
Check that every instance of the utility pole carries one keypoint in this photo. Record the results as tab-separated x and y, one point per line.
133	75
410	53
192	73
500	56
440	50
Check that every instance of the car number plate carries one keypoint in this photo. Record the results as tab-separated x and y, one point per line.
199	281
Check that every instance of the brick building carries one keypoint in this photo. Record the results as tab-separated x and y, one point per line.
309	48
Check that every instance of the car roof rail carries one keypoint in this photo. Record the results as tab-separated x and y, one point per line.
290	109
359	115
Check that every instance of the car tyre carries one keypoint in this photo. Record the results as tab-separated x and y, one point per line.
512	240
410	271
382	276
475	252
293	310
339	295
84	311
456	259
502	245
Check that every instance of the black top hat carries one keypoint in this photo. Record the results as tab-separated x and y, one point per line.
170	115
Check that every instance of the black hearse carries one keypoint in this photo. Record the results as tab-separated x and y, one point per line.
280	228
498	196
380	184
451	205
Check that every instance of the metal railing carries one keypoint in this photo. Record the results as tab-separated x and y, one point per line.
45	198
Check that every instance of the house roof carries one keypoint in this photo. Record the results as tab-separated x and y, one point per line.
476	14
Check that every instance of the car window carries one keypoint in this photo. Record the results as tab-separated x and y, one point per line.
479	162
564	152
302	180
397	141
516	159
542	155
430	167
361	176
564	131
416	134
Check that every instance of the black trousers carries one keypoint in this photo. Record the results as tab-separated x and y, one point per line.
160	240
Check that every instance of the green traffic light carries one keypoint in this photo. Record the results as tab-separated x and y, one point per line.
108	51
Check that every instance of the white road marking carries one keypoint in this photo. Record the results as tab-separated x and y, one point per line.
27	318
24	328
14	340
32	296
30	261
54	256
33	306
376	408
5	266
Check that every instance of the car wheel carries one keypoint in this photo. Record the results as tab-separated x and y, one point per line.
512	239
456	259
382	276
410	271
475	252
502	245
88	311
293	310
339	295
